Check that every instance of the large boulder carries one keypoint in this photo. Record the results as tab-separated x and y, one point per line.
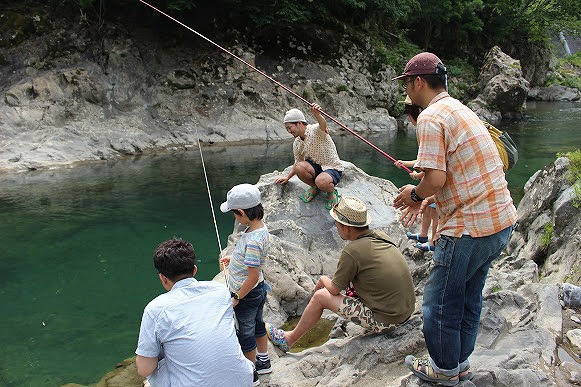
503	89
549	225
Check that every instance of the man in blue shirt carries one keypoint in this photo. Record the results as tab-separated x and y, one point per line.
187	335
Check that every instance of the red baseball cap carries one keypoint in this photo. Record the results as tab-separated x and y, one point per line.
422	64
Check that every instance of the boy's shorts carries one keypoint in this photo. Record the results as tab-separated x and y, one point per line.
335	174
353	309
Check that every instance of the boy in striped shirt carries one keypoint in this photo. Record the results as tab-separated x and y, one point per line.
244	273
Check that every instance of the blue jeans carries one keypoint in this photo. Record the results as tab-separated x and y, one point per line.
453	297
249	316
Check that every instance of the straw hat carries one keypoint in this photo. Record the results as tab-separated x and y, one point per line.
351	211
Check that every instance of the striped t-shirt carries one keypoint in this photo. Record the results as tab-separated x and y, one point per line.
250	251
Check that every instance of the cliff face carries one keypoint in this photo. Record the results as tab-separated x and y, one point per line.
73	93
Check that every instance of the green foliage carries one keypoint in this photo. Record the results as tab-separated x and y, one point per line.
397	56
342	87
461	76
567	72
308	94
547	235
574	171
446	24
574	174
573	275
86	3
496	289
535	18
181	5
574	60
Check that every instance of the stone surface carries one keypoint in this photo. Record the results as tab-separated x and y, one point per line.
503	89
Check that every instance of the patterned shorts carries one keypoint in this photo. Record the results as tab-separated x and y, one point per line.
353	309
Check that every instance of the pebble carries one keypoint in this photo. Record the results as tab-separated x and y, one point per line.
576	319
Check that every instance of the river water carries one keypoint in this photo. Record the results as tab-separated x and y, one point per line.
76	243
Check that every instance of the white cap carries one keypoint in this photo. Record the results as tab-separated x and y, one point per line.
243	196
294	115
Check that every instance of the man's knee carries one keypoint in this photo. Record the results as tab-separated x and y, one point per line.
326	300
324	180
304	168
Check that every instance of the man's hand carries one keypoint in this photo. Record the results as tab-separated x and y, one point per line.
315	109
411	215
404	199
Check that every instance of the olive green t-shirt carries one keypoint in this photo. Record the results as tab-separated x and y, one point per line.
380	275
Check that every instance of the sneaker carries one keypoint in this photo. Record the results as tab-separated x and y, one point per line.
263	367
255	381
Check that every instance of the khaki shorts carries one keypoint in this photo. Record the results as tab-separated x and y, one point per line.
353	309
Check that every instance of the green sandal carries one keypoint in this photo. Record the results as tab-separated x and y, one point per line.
335	200
310	194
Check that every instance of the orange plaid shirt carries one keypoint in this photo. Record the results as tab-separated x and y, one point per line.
475	199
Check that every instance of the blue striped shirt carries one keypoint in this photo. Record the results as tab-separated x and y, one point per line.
191	329
250	251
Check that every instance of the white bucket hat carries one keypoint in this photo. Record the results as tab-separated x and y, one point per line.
294	115
351	211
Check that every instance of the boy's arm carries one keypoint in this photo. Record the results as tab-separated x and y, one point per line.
249	282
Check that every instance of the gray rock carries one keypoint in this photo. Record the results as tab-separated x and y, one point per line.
554	93
574	336
571	296
503	89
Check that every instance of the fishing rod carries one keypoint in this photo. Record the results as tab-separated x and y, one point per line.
213	214
278	84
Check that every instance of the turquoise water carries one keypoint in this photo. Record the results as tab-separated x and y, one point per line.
76	244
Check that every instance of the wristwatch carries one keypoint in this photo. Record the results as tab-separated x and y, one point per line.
234	296
415	196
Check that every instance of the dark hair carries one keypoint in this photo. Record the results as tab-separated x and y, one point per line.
256	212
412	110
175	259
436	80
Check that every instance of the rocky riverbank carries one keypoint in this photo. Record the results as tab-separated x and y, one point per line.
530	317
72	94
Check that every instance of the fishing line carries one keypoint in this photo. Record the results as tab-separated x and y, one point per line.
213	214
279	84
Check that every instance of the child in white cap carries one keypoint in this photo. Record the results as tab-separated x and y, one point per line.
245	278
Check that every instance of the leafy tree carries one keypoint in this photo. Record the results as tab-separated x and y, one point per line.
447	26
533	19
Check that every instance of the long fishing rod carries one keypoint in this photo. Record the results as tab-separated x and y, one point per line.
279	84
213	214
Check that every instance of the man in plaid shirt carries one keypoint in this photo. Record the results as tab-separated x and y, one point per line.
465	173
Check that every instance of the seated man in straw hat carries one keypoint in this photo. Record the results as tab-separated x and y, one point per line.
316	160
380	292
